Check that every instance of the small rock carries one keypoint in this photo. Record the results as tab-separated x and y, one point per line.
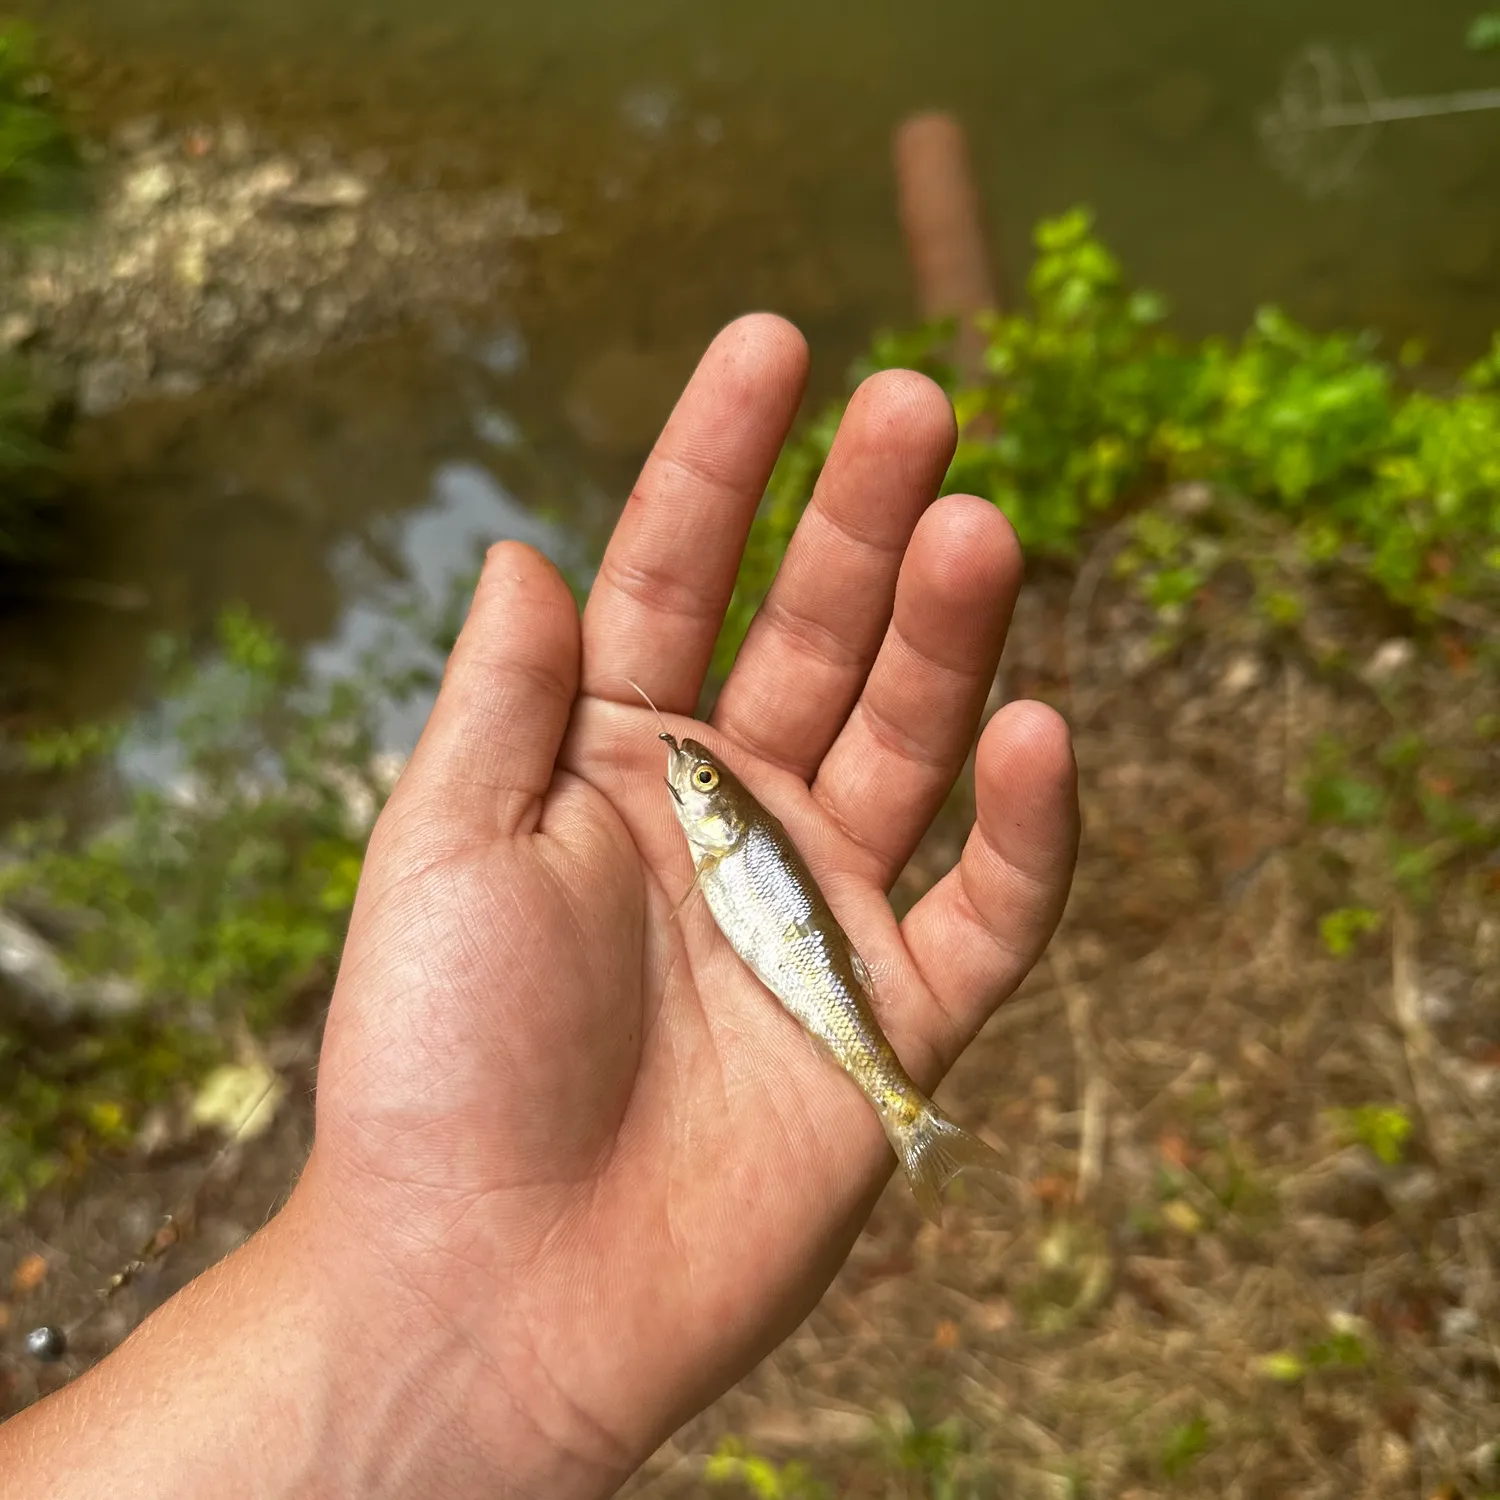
103	385
218	314
1458	1323
1387	660
334	190
1395	1457
17	329
1242	674
150	186
1416	1188
269	180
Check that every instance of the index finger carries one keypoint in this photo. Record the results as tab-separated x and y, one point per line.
659	599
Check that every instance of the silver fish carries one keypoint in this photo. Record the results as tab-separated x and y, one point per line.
767	904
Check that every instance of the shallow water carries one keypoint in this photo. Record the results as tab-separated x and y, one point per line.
704	161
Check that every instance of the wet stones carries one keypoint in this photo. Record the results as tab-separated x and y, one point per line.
213	256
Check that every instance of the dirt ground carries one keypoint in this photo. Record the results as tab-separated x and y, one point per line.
1184	1209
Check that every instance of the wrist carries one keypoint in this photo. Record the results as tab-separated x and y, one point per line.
452	1400
286	1370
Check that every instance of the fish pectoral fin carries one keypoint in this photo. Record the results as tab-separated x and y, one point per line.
707	863
797	930
861	972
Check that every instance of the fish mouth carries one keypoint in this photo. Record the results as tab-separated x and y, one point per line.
676	750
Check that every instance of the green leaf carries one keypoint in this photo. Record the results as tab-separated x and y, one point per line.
1484	32
1382	1129
1342	928
1339	797
1183	1446
1285	1366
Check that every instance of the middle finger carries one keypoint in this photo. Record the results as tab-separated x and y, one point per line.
810	647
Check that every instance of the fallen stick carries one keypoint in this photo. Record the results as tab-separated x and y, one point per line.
945	242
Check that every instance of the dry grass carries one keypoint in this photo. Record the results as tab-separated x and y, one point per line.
1161	1085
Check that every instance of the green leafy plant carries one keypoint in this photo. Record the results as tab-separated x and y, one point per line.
1183	1445
215	888
930	1455
1292	454
1345	1347
1484	32
42	185
1090	404
1382	1129
41	173
733	1463
1342	929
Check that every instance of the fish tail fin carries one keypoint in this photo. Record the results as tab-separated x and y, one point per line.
934	1150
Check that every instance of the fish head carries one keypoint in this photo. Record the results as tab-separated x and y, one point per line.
709	800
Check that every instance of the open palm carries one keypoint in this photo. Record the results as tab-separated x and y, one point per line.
572	1140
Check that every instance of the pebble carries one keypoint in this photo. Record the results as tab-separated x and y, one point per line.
17	329
150	186
268	180
1387	660
103	386
1242	674
275	254
1458	1323
324	194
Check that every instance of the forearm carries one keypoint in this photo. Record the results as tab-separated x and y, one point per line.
257	1380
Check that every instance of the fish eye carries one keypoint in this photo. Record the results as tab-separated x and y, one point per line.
705	778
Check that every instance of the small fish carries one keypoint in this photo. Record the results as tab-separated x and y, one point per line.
769	907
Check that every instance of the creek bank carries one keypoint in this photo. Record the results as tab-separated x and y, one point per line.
212	257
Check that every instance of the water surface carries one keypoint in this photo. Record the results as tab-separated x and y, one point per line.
704	161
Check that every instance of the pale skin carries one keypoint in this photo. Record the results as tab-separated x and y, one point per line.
575	1172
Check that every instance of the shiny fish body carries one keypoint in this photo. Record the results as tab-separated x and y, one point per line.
774	917
769	908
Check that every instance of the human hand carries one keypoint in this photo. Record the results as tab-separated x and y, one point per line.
575	1170
576	1138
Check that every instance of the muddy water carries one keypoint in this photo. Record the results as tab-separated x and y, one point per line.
702	160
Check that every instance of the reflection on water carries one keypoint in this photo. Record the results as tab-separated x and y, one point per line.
703	160
435	549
